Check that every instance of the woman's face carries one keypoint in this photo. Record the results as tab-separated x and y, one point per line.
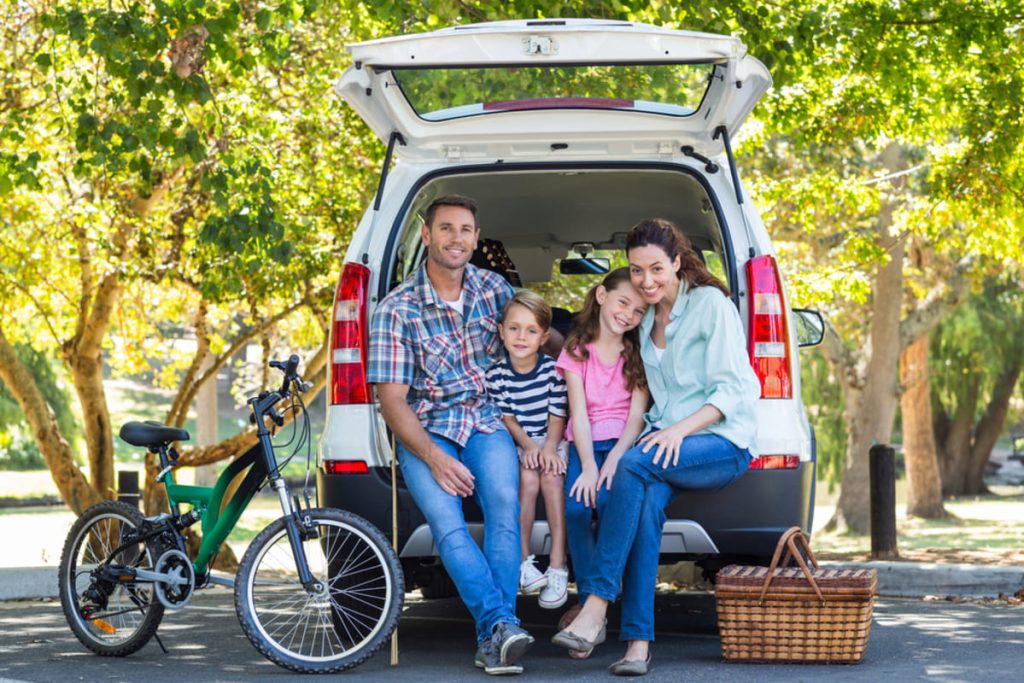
653	273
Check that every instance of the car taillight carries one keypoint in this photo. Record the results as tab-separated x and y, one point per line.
769	337
349	337
345	467
775	462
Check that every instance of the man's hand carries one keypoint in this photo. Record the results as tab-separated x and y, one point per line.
451	475
584	489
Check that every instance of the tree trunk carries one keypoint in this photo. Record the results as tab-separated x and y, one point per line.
71	482
871	417
925	495
989	427
957	444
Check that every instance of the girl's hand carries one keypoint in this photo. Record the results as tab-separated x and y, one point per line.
607	473
550	462
666	442
584	489
530	456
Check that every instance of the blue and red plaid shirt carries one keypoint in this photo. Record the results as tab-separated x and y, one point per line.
418	340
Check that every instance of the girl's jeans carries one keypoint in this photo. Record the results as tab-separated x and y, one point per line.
629	536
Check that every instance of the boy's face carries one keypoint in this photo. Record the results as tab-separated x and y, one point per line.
522	334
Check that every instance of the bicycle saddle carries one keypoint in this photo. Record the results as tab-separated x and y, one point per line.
151	433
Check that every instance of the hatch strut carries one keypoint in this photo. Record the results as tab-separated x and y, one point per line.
723	132
395	136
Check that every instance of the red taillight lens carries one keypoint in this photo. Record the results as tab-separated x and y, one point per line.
345	467
769	336
775	462
349	337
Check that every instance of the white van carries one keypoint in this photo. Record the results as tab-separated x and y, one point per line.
566	133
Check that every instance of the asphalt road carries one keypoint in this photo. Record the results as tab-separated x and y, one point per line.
910	640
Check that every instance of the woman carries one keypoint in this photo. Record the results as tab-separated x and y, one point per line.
701	431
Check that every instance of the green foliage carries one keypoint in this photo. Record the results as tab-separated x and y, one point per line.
823	396
18	450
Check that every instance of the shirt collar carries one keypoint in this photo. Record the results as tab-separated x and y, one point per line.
427	293
682	297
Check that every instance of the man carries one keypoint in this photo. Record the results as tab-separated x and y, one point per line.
431	341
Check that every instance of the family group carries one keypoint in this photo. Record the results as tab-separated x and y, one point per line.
650	395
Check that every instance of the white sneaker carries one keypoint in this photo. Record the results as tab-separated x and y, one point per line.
556	591
531	579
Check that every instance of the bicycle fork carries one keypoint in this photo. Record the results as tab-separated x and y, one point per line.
299	527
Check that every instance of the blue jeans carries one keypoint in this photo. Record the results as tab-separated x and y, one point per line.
579	531
629	537
487	580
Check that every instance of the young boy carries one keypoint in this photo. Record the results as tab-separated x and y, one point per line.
532	398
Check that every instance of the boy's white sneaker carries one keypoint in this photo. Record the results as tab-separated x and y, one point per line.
556	591
531	579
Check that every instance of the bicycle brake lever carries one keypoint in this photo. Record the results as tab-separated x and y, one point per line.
277	417
303	385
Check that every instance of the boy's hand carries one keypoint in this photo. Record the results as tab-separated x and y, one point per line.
584	489
530	456
550	462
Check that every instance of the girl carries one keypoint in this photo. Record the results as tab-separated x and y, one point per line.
702	431
607	398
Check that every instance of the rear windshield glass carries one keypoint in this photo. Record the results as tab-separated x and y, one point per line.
439	94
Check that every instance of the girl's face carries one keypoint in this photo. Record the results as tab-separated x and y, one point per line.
621	308
653	273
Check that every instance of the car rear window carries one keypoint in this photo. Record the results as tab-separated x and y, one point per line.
440	94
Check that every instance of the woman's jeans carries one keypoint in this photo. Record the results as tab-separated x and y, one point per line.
629	536
487	580
579	531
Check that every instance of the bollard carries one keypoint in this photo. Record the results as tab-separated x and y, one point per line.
883	502
128	487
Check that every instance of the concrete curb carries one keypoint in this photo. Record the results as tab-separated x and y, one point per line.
24	583
918	579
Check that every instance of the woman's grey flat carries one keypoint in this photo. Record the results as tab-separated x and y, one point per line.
571	641
631	667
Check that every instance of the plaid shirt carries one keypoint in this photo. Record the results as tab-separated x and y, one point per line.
416	339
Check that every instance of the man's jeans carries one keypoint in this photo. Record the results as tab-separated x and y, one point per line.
629	535
487	581
581	535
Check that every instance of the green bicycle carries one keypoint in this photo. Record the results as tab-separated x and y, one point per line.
319	590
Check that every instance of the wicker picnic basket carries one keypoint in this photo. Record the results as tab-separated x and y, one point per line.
794	614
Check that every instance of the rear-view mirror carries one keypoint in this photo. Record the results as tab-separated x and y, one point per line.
584	266
810	327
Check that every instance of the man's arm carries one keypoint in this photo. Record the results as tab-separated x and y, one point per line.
452	476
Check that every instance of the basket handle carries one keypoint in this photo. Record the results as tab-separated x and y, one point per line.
788	540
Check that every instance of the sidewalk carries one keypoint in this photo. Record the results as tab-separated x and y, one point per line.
895	579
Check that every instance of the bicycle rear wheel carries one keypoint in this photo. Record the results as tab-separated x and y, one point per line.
111	618
337	628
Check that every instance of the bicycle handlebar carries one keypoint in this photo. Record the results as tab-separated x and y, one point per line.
290	369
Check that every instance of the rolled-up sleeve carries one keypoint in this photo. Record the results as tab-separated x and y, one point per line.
391	358
730	380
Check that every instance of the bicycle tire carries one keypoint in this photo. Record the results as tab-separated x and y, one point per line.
328	633
127	626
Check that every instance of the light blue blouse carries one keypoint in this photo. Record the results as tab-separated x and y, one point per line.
705	361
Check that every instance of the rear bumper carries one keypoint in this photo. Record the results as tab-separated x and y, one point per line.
744	519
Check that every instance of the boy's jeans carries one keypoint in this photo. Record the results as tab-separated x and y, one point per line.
487	580
629	536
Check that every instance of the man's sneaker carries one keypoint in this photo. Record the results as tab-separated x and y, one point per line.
556	591
488	658
531	579
511	642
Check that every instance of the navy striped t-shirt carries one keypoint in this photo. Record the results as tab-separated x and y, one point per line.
529	397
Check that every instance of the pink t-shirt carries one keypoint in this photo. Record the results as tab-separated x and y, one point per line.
605	389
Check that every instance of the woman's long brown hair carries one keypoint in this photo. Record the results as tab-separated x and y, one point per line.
586	326
669	238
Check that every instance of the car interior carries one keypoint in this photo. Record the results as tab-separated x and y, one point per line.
532	221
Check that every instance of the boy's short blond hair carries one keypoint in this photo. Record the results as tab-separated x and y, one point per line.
532	302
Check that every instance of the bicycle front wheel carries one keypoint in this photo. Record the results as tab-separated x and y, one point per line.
109	616
338	627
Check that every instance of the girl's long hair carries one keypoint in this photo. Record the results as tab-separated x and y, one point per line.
669	238
586	326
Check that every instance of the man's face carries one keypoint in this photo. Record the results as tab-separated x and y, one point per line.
451	238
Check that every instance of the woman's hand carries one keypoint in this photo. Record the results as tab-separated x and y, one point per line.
584	489
666	443
529	456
